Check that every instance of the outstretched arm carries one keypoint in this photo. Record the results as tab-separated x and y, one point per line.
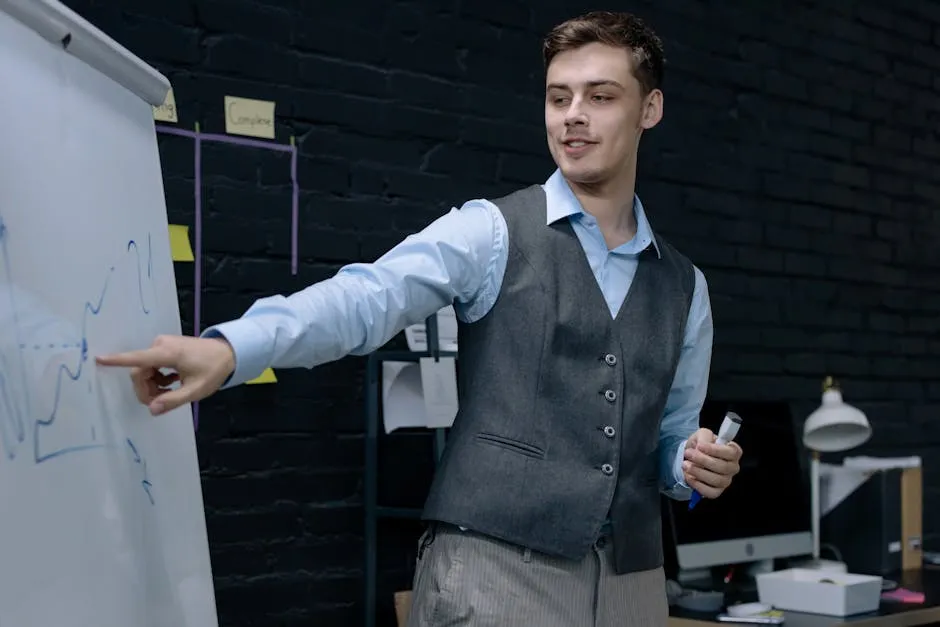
458	259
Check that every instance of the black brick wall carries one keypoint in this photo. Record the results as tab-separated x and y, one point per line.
795	165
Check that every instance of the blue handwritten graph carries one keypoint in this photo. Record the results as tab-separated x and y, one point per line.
31	407
13	382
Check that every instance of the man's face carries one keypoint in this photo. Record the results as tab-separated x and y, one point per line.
595	110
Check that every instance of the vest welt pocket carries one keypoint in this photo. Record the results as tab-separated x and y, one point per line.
512	445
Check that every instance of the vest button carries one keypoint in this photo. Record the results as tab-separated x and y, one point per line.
609	431
610	395
607	469
610	359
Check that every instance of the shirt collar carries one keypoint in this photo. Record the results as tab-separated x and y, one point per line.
562	203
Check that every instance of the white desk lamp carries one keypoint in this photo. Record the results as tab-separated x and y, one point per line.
835	426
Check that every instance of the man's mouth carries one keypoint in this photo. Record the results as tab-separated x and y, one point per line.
576	147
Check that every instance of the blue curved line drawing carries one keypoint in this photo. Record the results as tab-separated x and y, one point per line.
16	406
65	373
145	482
14	416
140	278
10	407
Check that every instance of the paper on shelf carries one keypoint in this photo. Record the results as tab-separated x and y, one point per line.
439	389
417	338
420	394
863	462
837	482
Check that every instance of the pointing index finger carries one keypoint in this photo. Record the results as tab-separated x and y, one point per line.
146	358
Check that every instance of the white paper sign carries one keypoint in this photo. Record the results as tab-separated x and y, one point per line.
439	387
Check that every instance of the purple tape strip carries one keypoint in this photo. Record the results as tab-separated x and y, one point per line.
254	143
173	130
197	272
244	141
224	139
197	203
295	208
198	138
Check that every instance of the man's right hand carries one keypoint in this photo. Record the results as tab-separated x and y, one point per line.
201	365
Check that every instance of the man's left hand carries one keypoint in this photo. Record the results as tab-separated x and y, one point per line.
709	467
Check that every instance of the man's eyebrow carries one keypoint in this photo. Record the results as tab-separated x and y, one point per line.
593	83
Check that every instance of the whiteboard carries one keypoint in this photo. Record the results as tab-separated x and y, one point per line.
101	515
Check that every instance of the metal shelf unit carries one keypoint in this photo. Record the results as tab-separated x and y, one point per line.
373	509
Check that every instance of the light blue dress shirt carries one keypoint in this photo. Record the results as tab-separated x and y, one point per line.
460	259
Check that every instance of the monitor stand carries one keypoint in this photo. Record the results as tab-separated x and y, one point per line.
700	592
699	579
741	584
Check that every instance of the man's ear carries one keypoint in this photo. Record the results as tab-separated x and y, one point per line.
652	109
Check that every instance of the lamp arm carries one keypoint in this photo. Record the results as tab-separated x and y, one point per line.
814	491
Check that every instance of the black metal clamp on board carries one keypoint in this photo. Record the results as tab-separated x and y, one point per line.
373	510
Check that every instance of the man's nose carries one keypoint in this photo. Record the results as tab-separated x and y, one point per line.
575	114
575	117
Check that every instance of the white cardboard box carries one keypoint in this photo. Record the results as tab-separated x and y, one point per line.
819	592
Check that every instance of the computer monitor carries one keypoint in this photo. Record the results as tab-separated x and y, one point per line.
765	513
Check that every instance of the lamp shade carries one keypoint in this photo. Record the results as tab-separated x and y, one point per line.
835	425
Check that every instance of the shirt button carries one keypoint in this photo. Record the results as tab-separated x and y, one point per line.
609	431
610	359
607	469
610	395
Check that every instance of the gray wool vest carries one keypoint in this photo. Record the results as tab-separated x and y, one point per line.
560	405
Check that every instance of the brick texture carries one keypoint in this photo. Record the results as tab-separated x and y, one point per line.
795	165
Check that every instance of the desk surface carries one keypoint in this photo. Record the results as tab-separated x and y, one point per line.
889	615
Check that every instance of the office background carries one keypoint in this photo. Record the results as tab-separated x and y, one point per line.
795	165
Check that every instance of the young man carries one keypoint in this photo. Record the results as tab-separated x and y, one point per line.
585	343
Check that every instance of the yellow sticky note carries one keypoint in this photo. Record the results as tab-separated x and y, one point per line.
167	111
180	248
265	377
245	116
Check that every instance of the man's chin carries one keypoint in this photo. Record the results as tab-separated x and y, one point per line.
582	174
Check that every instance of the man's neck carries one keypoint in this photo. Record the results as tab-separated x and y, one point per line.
611	205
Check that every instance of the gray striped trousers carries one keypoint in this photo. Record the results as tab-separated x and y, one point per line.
465	579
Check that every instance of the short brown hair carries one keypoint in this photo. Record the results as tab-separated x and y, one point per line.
623	30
